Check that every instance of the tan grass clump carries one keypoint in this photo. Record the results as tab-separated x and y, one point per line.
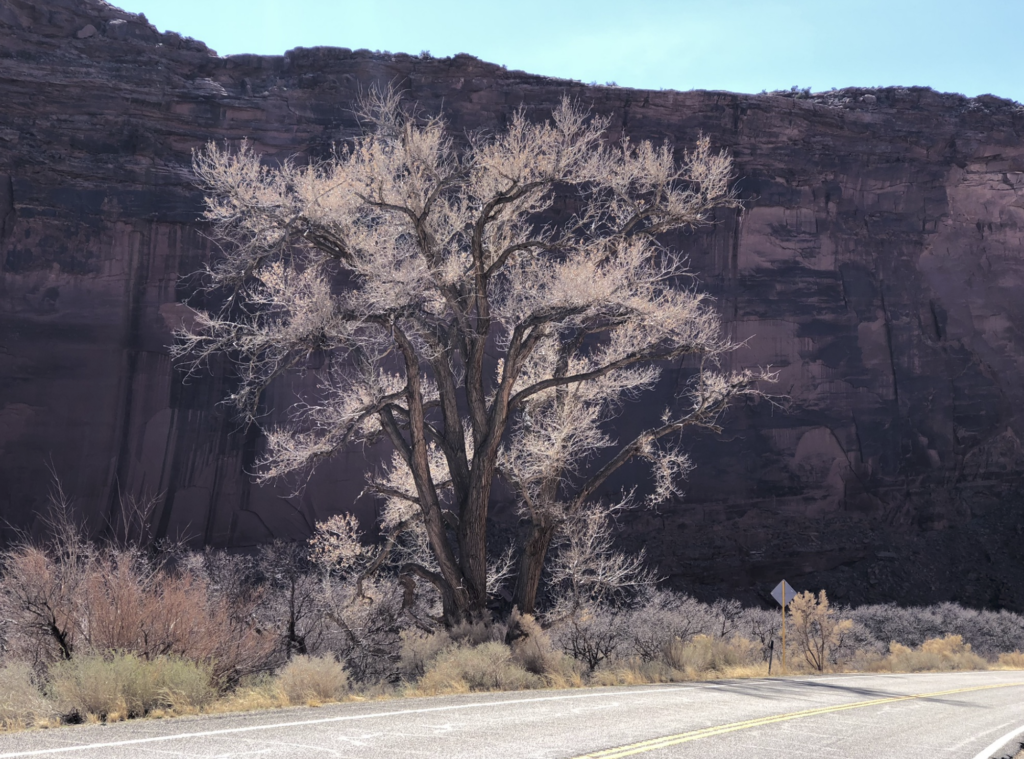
308	680
532	648
253	693
419	649
1011	660
21	702
946	654
702	654
486	667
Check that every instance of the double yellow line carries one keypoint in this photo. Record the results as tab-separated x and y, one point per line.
694	735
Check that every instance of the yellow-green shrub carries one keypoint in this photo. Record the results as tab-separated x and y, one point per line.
122	685
21	702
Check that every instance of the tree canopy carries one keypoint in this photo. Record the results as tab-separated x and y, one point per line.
456	308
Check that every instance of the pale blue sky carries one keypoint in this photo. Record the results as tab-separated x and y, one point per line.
967	46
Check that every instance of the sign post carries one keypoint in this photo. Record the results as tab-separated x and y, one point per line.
783	594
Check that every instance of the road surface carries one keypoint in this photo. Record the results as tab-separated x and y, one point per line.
971	715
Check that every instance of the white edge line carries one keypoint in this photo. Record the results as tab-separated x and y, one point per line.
998	743
300	723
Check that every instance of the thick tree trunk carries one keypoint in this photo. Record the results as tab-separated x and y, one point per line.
531	564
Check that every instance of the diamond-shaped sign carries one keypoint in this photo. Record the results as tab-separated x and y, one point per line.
784	587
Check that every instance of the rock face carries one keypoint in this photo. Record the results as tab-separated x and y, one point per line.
878	263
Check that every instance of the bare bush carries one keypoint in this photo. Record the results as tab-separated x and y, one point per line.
363	627
40	584
662	616
292	603
989	632
594	635
761	626
313	679
67	596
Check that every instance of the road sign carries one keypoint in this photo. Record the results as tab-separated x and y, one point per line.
783	587
783	593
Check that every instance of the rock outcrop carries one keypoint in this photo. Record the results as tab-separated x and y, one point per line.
878	264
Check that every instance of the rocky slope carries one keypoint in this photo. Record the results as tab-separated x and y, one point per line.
878	264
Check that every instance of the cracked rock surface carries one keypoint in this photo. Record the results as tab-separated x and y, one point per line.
878	264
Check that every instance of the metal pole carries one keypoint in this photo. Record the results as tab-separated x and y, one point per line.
783	627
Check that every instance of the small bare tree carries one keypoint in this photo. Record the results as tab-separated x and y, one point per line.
452	309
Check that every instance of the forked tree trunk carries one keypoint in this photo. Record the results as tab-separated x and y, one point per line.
531	564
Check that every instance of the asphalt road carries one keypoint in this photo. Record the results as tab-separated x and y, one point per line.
970	715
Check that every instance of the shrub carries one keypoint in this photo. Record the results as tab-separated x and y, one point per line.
476	633
124	686
989	633
419	649
635	671
664	615
593	635
68	597
252	693
181	685
817	630
305	679
531	647
942	654
1011	660
485	667
21	702
704	654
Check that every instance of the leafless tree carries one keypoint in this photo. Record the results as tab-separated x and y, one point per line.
587	571
453	312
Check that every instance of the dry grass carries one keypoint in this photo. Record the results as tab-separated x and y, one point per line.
313	680
252	694
948	654
21	703
484	667
123	686
703	654
418	650
1012	660
638	672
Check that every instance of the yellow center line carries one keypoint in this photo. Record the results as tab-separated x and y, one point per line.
672	740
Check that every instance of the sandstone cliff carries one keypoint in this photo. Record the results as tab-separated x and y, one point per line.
879	263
